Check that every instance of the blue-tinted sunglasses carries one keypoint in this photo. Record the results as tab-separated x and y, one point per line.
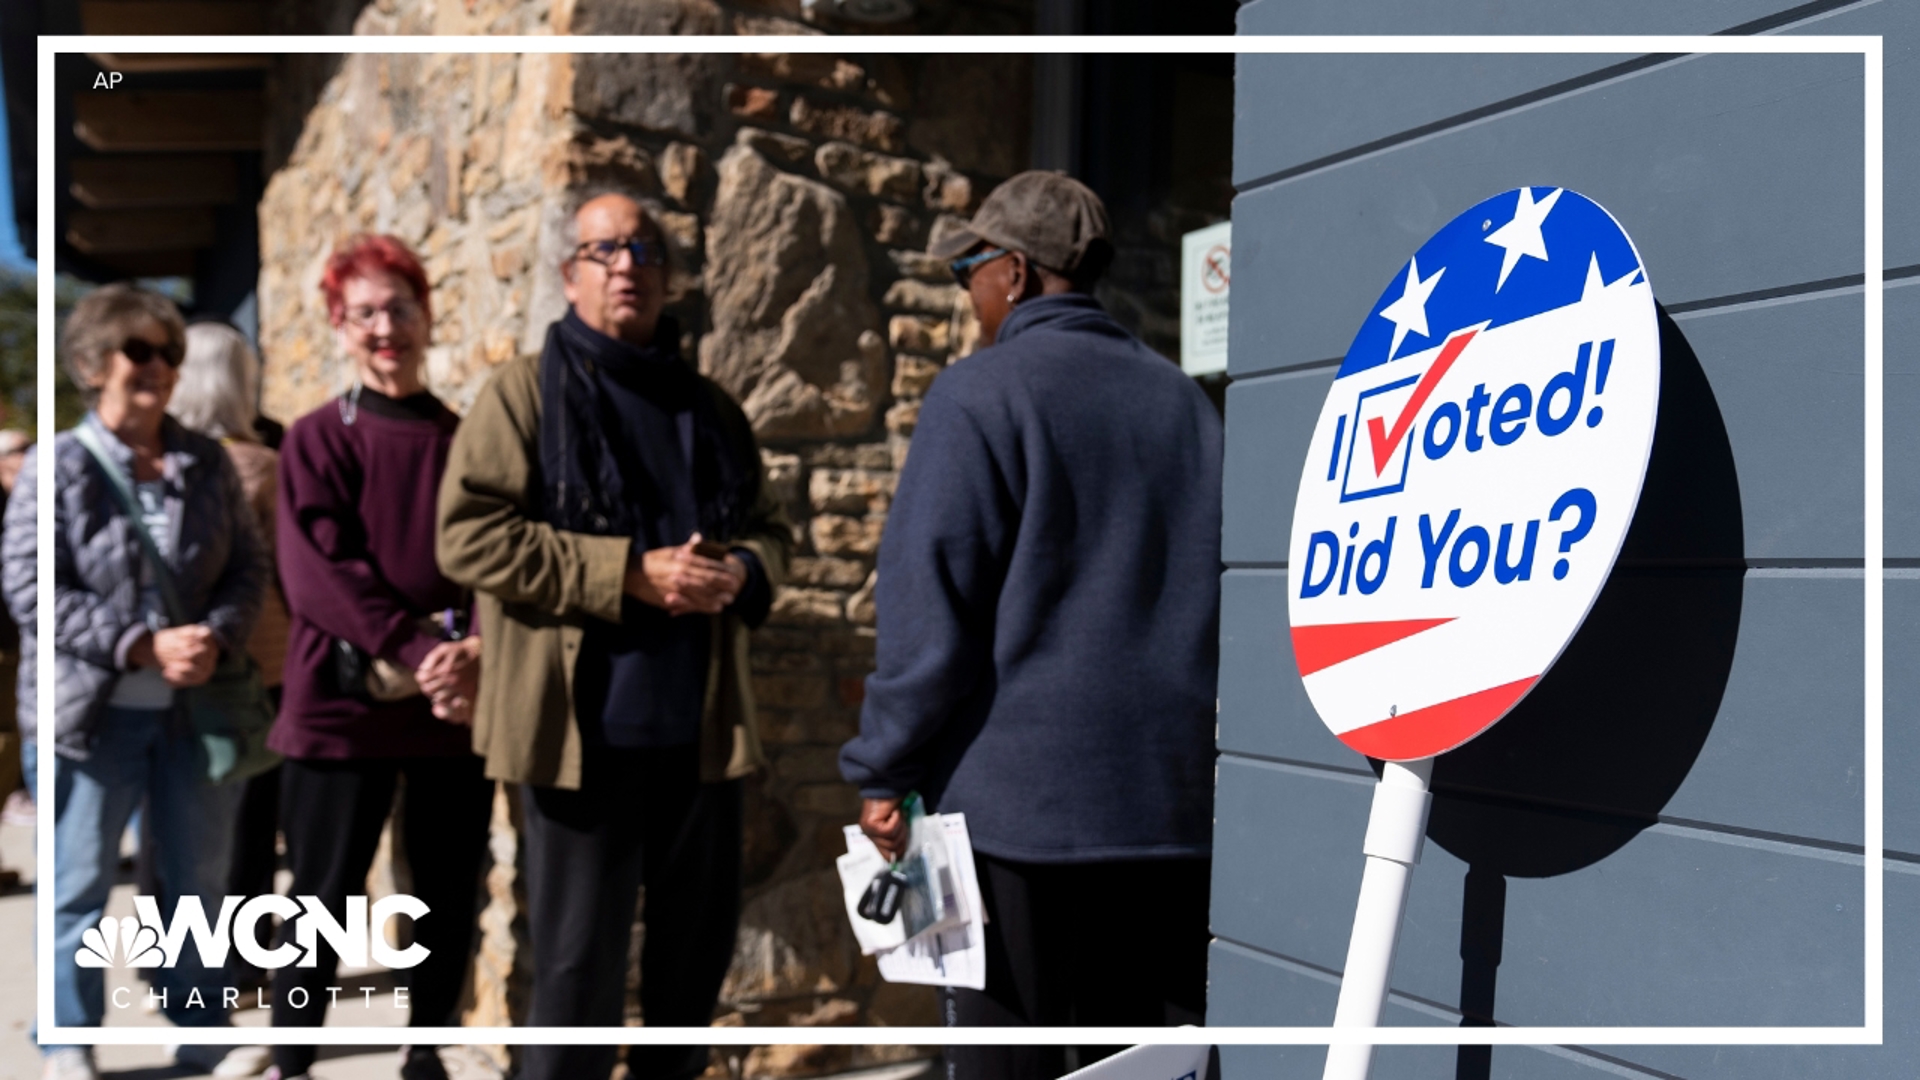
963	268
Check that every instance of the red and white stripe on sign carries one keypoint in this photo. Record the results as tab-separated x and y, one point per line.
1417	733
1436	729
1317	647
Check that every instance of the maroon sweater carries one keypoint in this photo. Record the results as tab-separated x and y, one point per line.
355	537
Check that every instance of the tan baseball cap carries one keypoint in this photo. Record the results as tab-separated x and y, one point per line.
1048	216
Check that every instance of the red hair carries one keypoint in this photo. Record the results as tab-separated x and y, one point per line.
367	254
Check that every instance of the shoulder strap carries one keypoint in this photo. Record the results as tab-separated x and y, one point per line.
176	612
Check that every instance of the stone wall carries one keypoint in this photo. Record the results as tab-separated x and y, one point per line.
461	177
798	194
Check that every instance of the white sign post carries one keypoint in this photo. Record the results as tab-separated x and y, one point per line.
1471	478
1206	272
1148	1063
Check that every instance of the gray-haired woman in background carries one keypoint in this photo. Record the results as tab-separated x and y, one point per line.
219	384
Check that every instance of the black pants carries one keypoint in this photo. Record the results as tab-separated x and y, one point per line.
1120	944
256	855
331	813
640	817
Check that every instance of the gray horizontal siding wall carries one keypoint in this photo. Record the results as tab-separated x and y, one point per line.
1718	880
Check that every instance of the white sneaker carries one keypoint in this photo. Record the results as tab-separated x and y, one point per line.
69	1063
224	1060
244	1061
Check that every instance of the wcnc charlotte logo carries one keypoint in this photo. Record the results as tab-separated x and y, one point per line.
146	940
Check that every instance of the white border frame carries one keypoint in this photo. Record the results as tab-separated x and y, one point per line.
1869	48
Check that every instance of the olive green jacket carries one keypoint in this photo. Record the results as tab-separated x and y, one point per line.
537	586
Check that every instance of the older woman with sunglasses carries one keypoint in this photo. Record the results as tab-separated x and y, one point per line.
122	661
380	674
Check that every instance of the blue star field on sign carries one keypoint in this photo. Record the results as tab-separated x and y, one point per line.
1511	257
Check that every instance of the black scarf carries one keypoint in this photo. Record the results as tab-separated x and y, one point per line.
584	490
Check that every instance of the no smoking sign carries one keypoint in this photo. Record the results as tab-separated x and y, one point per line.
1216	269
1206	279
1473	472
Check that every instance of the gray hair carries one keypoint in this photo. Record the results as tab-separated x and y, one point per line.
579	199
101	322
219	383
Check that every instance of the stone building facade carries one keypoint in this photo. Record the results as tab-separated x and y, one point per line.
798	193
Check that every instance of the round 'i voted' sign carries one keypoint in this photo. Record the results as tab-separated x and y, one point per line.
1476	465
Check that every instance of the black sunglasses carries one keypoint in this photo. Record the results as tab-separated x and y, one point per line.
963	268
140	350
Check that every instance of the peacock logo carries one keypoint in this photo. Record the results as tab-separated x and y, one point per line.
120	942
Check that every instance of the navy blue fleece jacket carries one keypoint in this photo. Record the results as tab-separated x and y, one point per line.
1048	598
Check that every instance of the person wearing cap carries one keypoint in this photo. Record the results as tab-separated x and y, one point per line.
1048	609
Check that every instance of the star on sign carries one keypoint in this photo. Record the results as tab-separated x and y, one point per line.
1596	284
1521	236
1410	311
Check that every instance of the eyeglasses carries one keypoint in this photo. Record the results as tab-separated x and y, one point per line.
963	268
398	312
645	252
140	350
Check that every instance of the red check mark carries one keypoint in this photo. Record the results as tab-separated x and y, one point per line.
1385	444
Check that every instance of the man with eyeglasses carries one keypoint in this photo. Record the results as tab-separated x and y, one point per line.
1048	607
608	505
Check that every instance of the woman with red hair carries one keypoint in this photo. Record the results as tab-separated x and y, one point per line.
380	673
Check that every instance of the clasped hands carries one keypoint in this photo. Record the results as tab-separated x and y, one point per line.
185	655
450	677
679	580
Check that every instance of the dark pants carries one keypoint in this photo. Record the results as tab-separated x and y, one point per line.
256	855
331	813
641	817
1104	944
